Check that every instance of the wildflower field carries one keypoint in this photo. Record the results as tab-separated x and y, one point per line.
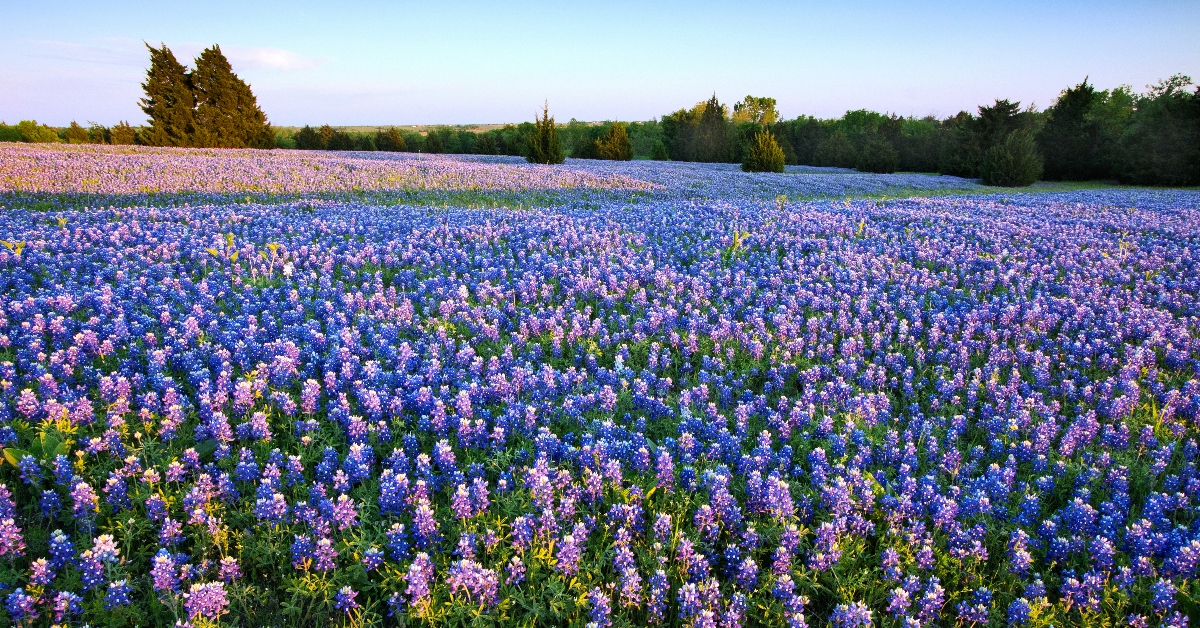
254	388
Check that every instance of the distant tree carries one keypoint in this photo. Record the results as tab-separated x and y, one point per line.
1161	145
877	155
835	150
340	141
1014	162
486	144
615	144
308	139
122	134
659	153
544	147
169	102
227	113
711	141
764	154
31	131
76	134
365	142
760	110
9	133
390	140
433	142
97	134
325	135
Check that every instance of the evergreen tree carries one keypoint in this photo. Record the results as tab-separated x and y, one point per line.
1070	140
122	133
711	144
308	139
764	154
544	147
1161	145
390	140
615	144
340	141
97	134
227	113
76	134
169	100
1013	162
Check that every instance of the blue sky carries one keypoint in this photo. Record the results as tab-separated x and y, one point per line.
466	62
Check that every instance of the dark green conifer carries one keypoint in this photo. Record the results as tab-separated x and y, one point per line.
169	100
76	134
544	147
390	140
712	133
122	133
227	113
764	154
615	145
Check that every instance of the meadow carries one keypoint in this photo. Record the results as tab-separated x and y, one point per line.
252	388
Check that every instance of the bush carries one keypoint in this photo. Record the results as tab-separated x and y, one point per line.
615	145
544	147
879	156
764	154
1012	163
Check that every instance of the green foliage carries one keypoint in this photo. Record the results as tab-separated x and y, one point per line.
877	155
759	110
390	140
227	113
433	142
308	139
97	134
1161	145
544	147
170	102
340	140
712	132
208	107
615	144
764	154
31	131
9	133
121	134
835	150
660	152
1013	162
76	134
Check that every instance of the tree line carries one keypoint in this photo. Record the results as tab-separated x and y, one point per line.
1150	138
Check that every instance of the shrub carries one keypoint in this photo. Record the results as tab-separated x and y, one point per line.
1011	163
764	154
879	156
544	147
615	145
390	140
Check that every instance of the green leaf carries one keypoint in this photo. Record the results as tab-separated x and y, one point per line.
13	455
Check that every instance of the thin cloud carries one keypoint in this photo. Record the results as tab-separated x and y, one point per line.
264	57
